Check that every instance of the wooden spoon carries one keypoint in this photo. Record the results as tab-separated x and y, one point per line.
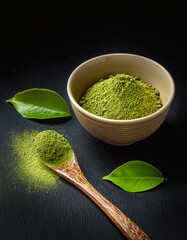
72	173
56	153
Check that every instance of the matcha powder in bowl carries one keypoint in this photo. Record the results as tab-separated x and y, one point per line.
29	169
121	97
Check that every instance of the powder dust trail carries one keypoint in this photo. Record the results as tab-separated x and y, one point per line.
29	169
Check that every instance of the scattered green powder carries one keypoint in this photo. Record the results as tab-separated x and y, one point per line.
52	148
121	97
29	168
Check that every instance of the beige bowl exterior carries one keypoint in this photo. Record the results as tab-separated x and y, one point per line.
120	132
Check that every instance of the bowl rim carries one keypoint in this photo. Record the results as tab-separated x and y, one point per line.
92	116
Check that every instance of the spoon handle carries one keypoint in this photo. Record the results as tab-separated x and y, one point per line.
74	175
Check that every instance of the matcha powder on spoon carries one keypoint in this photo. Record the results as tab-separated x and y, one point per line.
52	148
121	97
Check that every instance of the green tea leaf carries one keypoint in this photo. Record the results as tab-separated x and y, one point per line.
135	176
40	103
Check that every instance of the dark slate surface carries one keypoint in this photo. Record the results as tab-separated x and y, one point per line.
39	47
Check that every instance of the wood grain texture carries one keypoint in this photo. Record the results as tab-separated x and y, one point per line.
71	172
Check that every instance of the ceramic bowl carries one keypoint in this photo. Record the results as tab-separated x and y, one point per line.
120	132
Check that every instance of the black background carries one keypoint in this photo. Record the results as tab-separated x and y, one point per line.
40	45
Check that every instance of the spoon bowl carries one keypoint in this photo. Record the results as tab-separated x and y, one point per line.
71	171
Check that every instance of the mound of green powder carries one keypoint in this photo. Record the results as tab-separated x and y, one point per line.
52	148
28	167
121	97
